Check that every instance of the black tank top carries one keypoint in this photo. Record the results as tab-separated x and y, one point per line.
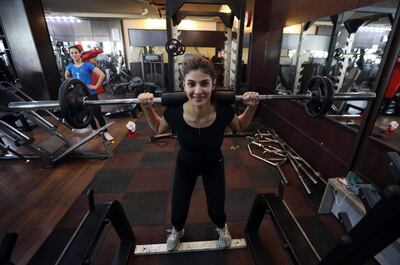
200	144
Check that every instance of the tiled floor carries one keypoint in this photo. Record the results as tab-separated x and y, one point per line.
140	175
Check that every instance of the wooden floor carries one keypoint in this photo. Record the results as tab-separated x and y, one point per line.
34	199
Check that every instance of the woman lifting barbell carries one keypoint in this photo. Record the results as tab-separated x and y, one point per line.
200	124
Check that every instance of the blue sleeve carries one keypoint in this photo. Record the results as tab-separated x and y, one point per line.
69	67
89	66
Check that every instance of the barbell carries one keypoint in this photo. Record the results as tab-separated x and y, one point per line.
75	104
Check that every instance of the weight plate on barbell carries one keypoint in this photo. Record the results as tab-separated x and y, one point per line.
71	94
338	54
181	50
321	100
175	47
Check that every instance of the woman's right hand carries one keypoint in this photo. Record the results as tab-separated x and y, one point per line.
146	100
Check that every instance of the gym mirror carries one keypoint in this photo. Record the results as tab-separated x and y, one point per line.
388	120
304	51
360	42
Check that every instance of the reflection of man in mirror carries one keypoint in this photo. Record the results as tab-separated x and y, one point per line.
218	57
218	61
360	61
120	62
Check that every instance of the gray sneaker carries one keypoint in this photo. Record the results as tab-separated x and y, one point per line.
225	238
174	238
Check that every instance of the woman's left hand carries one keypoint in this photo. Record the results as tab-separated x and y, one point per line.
251	99
91	87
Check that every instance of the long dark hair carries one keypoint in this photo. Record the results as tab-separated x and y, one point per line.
199	62
74	47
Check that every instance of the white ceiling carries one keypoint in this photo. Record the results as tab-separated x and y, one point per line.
116	8
103	8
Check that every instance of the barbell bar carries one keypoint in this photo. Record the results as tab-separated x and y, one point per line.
55	104
75	104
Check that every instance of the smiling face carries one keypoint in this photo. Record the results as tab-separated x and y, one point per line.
198	87
75	54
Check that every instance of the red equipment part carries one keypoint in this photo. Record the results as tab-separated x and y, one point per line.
394	83
87	55
100	89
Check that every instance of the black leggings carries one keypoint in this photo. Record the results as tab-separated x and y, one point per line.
97	114
213	176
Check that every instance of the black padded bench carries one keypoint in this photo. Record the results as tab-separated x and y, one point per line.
293	239
374	232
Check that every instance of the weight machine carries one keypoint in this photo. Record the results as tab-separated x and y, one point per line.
51	150
155	63
233	47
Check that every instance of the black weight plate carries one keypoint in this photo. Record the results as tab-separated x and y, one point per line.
171	46
321	101
175	47
181	49
338	54
70	96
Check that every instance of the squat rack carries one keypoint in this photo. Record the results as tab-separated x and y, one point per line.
233	60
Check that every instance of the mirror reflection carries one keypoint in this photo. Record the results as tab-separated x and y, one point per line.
356	59
303	54
387	122
347	48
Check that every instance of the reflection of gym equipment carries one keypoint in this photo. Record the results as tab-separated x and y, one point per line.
51	150
347	57
175	47
132	86
5	73
308	70
287	75
233	44
76	109
374	232
342	107
391	102
339	54
62	55
153	69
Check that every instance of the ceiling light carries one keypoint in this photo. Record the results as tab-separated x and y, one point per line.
225	9
187	24
65	19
